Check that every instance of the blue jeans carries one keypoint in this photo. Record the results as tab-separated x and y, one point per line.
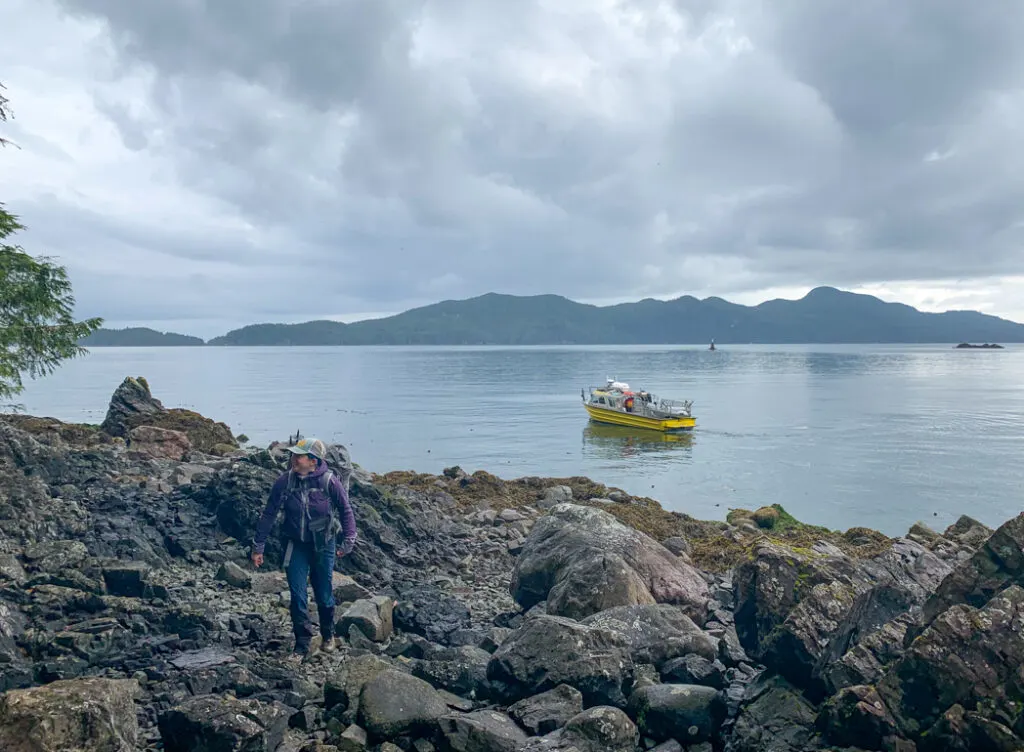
306	565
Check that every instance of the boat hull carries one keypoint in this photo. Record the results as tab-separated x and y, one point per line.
617	418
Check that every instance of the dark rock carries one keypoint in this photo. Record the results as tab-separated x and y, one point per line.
237	496
234	575
968	531
865	662
551	650
343	686
493	638
373	617
694	669
774	717
460	670
856	717
426	610
481	731
304	719
204	658
55	555
346	589
548	711
959	730
126	579
967	656
798	612
223	723
159	443
688	712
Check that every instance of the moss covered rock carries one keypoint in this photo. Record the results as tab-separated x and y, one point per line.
207	436
133	405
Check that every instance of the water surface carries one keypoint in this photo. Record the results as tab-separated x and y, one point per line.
841	436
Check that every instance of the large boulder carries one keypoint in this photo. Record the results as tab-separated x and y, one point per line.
481	731
655	634
677	711
582	560
393	703
550	650
76	715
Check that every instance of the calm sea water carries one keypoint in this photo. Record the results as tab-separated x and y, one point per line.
841	436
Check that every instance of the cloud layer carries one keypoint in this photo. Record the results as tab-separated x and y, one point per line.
213	163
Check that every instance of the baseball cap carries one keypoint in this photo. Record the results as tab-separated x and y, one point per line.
313	447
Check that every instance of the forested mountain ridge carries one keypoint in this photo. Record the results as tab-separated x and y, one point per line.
824	316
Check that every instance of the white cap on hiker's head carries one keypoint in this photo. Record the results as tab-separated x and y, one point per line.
312	447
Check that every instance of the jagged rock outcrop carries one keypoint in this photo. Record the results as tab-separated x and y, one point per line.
131	400
134	406
967	656
800	612
997	564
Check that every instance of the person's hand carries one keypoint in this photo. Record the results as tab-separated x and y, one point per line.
257	560
340	553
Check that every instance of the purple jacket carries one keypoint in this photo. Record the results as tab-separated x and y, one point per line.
319	507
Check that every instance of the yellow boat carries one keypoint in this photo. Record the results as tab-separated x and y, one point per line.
616	404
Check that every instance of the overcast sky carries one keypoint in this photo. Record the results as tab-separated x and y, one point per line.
198	165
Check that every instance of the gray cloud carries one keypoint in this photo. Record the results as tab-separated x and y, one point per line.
392	153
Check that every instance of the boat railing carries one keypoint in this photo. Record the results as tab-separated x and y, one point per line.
681	407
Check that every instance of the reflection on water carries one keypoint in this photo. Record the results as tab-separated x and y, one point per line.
618	442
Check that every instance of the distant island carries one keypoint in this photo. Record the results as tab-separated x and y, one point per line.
986	346
138	337
824	316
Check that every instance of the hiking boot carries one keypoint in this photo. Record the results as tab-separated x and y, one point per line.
300	652
329	645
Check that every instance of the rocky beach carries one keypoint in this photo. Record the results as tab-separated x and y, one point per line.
476	613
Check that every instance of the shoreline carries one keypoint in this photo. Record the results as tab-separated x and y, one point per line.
475	612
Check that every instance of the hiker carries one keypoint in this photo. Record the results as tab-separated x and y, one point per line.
316	509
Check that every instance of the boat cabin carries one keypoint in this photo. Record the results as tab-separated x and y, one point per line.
617	395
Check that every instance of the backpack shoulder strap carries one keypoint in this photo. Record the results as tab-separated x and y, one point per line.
325	481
